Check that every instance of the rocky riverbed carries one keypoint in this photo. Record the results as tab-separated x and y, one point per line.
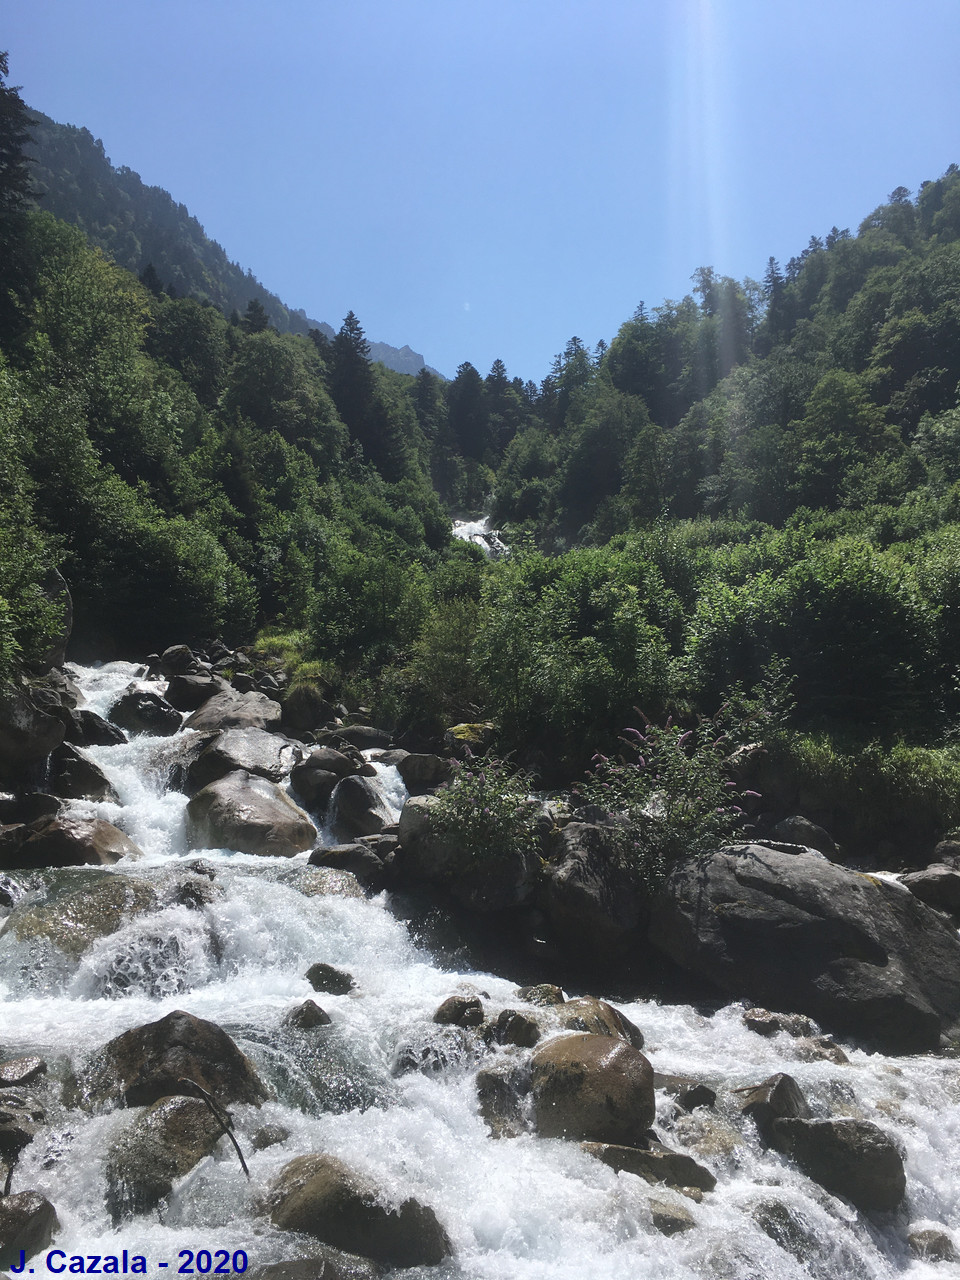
224	911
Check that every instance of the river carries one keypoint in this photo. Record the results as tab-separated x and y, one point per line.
515	1209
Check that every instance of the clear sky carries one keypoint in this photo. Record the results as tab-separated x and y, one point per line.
490	178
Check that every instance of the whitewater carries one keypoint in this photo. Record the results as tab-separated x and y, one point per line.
524	1208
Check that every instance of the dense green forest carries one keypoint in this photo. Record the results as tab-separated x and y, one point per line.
757	485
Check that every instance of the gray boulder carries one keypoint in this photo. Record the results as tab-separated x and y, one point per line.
161	1145
83	728
74	777
250	815
589	893
233	710
849	1158
254	750
27	734
28	1221
358	809
21	1117
324	1198
422	772
74	921
593	1089
800	830
150	1062
653	1163
937	885
140	711
791	929
64	840
188	692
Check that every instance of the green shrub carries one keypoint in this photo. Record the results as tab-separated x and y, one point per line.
488	805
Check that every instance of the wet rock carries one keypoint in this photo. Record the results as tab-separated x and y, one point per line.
189	692
321	882
859	955
786	1229
85	728
313	786
765	1023
422	772
800	830
74	921
252	750
501	1090
439	857
475	738
544	994
27	734
28	806
249	814
269	1135
589	894
654	1163
66	840
75	777
16	1072
140	711
592	1088
669	1217
28	1221
853	1159
708	1135
324	1198
328	978
460	1011
364	736
587	1013
10	892
359	859
820	1048
937	885
933	1245
162	1144
689	1094
358	808
432	1049
326	1264
177	660
779	1096
513	1027
148	1063
233	710
306	1016
21	1117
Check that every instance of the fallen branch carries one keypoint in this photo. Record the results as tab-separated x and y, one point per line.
218	1114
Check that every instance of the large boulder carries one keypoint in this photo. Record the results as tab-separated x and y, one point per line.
254	750
792	930
162	1144
359	808
21	1117
306	707
27	1222
324	1198
653	1163
74	921
233	710
421	772
589	894
849	1158
250	815
587	1013
74	777
142	711
153	1061
188	692
64	840
592	1088
85	728
27	734
937	885
479	880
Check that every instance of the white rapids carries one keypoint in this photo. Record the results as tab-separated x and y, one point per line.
515	1209
481	535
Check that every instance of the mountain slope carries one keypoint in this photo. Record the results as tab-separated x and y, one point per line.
139	225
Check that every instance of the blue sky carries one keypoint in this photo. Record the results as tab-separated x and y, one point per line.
489	179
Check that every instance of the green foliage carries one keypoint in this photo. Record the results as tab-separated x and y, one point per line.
487	804
671	788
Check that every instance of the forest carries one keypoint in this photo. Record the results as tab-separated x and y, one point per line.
748	498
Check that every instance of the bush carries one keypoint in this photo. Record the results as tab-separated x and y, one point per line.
489	806
671	787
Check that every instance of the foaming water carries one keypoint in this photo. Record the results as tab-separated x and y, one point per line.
516	1209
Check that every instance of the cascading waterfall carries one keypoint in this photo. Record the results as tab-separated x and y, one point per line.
525	1208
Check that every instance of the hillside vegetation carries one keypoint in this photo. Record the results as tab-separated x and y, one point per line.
754	490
